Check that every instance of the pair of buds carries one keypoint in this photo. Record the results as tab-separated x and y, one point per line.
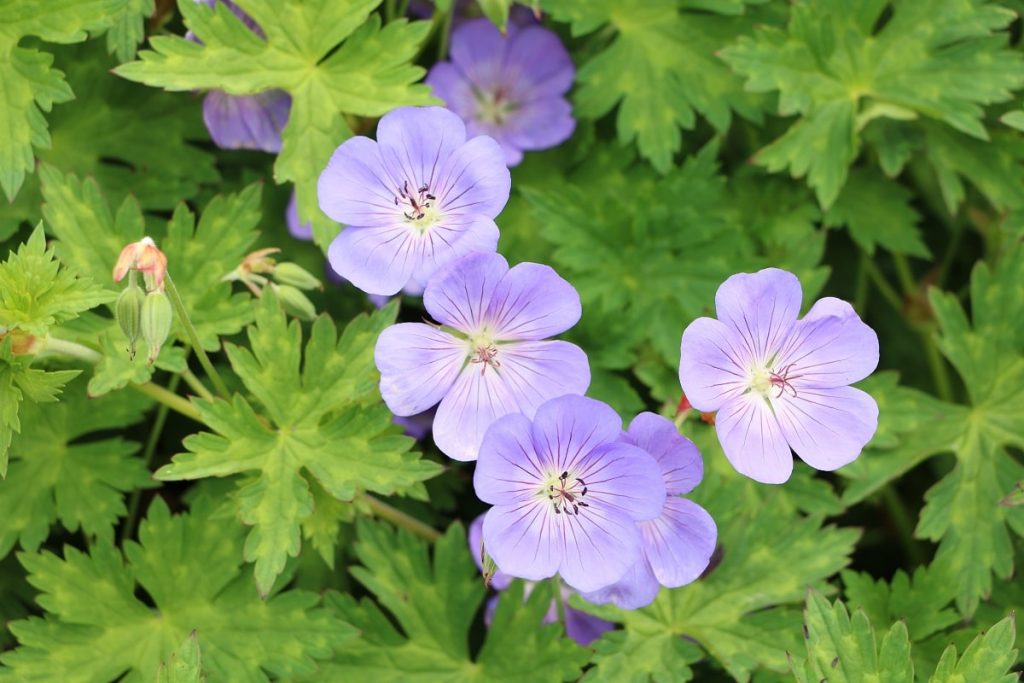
143	313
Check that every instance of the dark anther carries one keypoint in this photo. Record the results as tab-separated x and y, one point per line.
557	511
565	475
586	505
575	509
584	491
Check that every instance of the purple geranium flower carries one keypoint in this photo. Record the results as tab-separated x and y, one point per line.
490	356
582	627
414	200
778	382
567	494
676	547
508	87
245	121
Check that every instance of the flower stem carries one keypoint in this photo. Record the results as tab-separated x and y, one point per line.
904	525
196	385
193	338
73	349
399	518
169	399
861	290
446	30
887	291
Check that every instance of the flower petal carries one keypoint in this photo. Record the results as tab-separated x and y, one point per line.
418	365
474	180
416	143
678	544
638	588
678	457
830	347
298	229
478	50
460	294
449	83
247	121
500	580
532	302
538	124
713	364
601	545
508	471
524	540
828	428
530	374
356	188
446	242
753	440
585	628
537	65
377	260
567	428
621	477
762	307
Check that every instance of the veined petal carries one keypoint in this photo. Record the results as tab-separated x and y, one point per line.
474	180
508	471
418	365
357	189
621	477
638	588
828	428
679	543
538	124
500	580
568	428
377	260
600	547
532	302
524	540
530	374
830	347
247	121
449	83
416	143
713	364
460	294
537	65
478	49
678	457
762	307
454	237
753	440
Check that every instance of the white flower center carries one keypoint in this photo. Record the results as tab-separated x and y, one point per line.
566	492
483	351
765	380
494	107
418	206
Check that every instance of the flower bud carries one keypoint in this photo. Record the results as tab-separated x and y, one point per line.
156	322
295	302
129	314
145	257
296	276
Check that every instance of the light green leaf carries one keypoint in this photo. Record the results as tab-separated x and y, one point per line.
496	11
994	167
987	659
185	665
921	602
31	85
877	210
304	54
97	629
325	423
434	605
129	28
1014	119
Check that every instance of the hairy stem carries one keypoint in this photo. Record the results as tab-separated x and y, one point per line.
193	338
446	31
73	349
399	518
196	385
170	399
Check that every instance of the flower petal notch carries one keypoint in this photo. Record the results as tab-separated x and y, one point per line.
511	88
489	356
779	382
567	494
413	201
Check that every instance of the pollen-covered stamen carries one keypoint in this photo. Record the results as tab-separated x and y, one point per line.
485	355
418	201
782	380
565	494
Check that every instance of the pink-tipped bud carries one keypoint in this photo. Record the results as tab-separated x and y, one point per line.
145	257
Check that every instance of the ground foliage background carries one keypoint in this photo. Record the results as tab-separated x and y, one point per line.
872	147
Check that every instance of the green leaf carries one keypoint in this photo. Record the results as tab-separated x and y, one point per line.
673	73
434	605
842	649
326	422
993	167
129	28
987	659
962	511
36	293
60	471
941	60
1014	119
97	628
185	665
304	54
877	210
496	11
920	602
31	85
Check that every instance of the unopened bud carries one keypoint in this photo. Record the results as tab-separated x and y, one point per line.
156	322
129	314
146	258
296	276
295	302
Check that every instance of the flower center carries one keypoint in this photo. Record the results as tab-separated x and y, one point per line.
419	207
566	494
764	380
494	107
483	352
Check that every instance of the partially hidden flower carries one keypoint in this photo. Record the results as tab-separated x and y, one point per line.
567	494
582	627
415	200
676	546
490	355
144	257
245	121
510	87
779	383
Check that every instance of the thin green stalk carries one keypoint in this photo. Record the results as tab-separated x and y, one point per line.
399	518
196	385
947	257
446	31
900	517
169	399
887	291
861	290
73	349
193	338
147	456
905	275
389	10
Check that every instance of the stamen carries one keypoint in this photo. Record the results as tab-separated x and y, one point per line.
568	498
485	355
783	381
418	202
